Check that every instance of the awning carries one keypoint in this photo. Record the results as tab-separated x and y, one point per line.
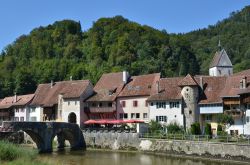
103	121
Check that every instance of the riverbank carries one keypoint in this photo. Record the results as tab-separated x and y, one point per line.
11	154
191	149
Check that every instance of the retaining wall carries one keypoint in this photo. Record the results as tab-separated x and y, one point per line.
131	141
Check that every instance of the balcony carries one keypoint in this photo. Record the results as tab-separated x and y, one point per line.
99	109
235	113
4	114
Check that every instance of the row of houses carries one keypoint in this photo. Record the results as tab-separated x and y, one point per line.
183	100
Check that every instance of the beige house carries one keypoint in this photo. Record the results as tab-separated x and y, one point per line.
132	101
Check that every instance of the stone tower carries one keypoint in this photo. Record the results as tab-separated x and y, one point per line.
221	64
190	94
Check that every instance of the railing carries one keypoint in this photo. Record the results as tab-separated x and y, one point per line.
198	138
99	109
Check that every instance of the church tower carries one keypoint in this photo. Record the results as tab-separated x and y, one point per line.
221	64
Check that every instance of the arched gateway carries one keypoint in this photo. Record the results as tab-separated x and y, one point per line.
72	117
43	133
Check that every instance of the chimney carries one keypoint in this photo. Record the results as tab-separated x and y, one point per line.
201	83
51	84
244	82
15	98
158	86
70	78
125	77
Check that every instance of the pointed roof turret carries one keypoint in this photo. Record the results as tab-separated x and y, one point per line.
188	81
221	59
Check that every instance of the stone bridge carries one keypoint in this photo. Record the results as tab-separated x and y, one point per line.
43	133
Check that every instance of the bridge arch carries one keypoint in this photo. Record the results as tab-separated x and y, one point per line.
36	138
43	133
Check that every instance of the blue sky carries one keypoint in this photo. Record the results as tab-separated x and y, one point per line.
19	17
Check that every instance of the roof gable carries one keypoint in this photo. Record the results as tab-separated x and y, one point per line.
221	59
188	81
21	100
46	95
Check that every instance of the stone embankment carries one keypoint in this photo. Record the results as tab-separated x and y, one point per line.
131	141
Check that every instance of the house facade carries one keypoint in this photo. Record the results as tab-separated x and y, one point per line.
61	101
132	101
210	102
166	105
102	104
15	108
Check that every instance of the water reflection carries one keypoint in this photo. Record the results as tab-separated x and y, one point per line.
117	158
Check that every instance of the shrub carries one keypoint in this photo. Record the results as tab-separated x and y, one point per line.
195	129
219	128
154	126
208	130
174	128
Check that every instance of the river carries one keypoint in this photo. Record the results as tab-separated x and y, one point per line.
119	158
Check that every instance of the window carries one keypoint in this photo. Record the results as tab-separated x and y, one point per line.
161	118
100	104
121	115
152	104
93	104
68	102
248	119
145	115
17	110
125	115
174	105
110	104
248	106
75	102
123	103
22	109
33	110
132	115
33	118
160	105
208	117
137	115
16	118
21	118
135	103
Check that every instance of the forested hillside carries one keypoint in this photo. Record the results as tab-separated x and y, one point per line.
61	50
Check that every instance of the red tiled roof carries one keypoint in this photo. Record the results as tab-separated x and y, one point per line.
212	88
46	95
188	81
232	86
168	90
108	87
143	85
242	73
22	100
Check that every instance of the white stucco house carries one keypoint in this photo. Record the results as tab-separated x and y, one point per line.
15	107
166	105
61	101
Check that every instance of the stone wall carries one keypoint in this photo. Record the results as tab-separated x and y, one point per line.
131	141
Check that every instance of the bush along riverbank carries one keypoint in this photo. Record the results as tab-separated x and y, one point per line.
11	154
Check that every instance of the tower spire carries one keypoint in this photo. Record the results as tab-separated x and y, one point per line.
219	45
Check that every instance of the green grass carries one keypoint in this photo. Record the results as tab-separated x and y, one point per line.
11	154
